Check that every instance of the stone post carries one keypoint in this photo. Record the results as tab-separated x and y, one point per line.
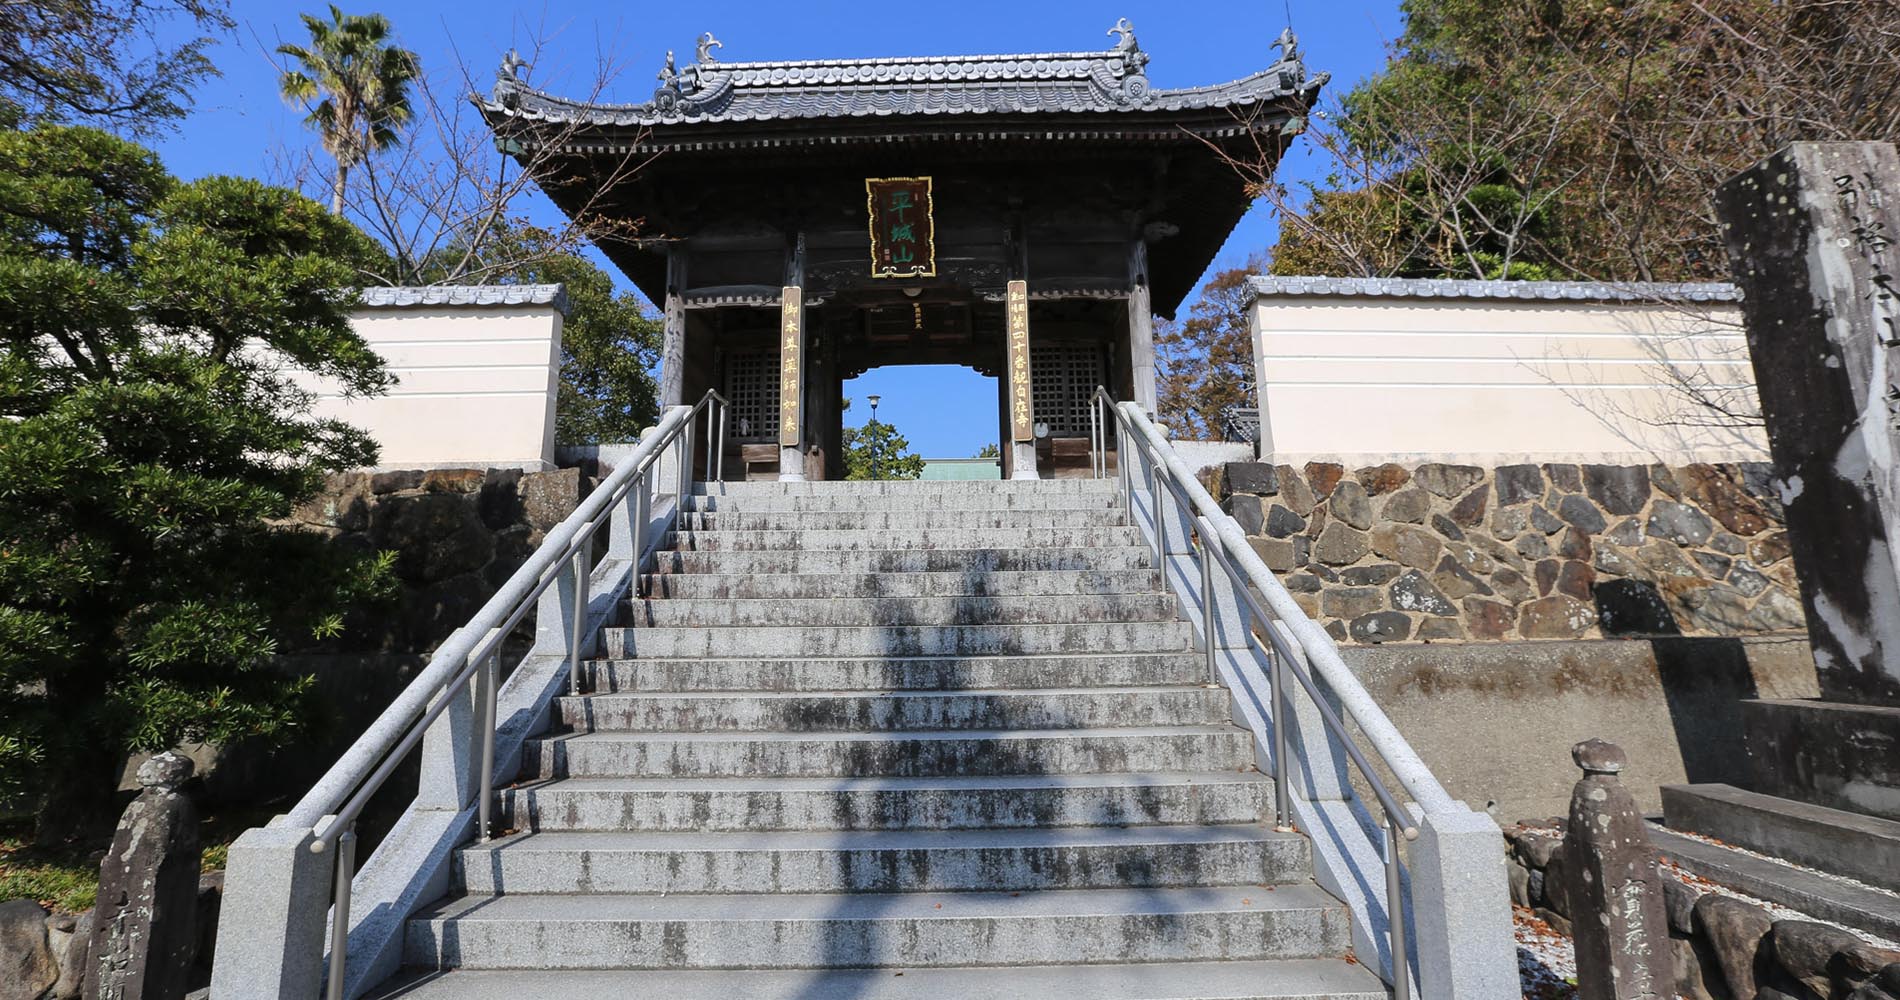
144	934
1811	237
1613	886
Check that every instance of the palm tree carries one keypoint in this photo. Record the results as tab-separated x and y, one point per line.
356	85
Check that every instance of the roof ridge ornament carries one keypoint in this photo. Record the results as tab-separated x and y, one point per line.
1134	84
1291	65
703	55
667	95
508	78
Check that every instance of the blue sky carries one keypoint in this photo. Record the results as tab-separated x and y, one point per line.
240	124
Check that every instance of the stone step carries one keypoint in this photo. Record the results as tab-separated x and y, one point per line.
1286	979
934	803
905	518
894	673
883	861
990	500
838	611
689	586
865	490
801	711
803	540
905	930
919	753
897	640
899	560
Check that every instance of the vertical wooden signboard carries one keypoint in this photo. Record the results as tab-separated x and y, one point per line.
903	227
1021	424
791	356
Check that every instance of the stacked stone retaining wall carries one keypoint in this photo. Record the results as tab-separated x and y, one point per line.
1439	552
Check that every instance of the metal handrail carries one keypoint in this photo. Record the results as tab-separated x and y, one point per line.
472	655
1216	547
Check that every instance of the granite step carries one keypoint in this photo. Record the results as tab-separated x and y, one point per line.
952	518
897	640
1012	583
893	673
841	611
883	861
960	802
888	490
1286	979
914	754
801	711
819	502
818	539
904	930
966	559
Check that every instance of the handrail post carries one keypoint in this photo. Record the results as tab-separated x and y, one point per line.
577	636
1395	911
490	696
340	914
451	748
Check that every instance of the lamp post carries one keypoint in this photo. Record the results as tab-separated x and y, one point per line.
874	398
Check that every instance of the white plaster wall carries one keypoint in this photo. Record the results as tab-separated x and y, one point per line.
476	385
1368	379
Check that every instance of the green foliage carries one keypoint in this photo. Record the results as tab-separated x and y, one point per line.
101	62
609	347
149	434
877	451
1204	364
355	84
1563	139
988	451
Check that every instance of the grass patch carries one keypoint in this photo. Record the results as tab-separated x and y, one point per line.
64	877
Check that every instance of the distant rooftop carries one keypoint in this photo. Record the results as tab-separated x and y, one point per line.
1450	288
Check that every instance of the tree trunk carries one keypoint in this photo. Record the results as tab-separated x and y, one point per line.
83	802
336	190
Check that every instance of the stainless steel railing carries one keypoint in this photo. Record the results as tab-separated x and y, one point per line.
471	658
1141	450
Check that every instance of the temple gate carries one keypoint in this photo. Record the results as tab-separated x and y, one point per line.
802	222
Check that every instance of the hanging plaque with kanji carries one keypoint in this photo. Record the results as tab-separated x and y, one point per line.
903	229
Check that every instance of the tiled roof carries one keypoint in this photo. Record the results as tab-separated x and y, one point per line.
709	91
1447	288
384	297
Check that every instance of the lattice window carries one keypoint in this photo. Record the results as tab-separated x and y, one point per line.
752	389
1062	377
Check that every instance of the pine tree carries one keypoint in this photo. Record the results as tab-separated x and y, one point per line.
149	434
877	451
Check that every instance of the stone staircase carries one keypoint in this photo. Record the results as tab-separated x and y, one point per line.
891	740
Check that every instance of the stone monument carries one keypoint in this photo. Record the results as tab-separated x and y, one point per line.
1613	887
1811	236
143	929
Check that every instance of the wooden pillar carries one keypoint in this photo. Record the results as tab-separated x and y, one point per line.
791	366
673	347
1020	415
1141	326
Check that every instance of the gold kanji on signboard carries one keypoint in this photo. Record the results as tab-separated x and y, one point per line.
791	344
1021	427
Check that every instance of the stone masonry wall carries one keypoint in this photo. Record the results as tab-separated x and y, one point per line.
1438	552
458	534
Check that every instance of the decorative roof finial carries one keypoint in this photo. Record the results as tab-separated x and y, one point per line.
667	96
1292	67
1134	84
508	77
707	43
